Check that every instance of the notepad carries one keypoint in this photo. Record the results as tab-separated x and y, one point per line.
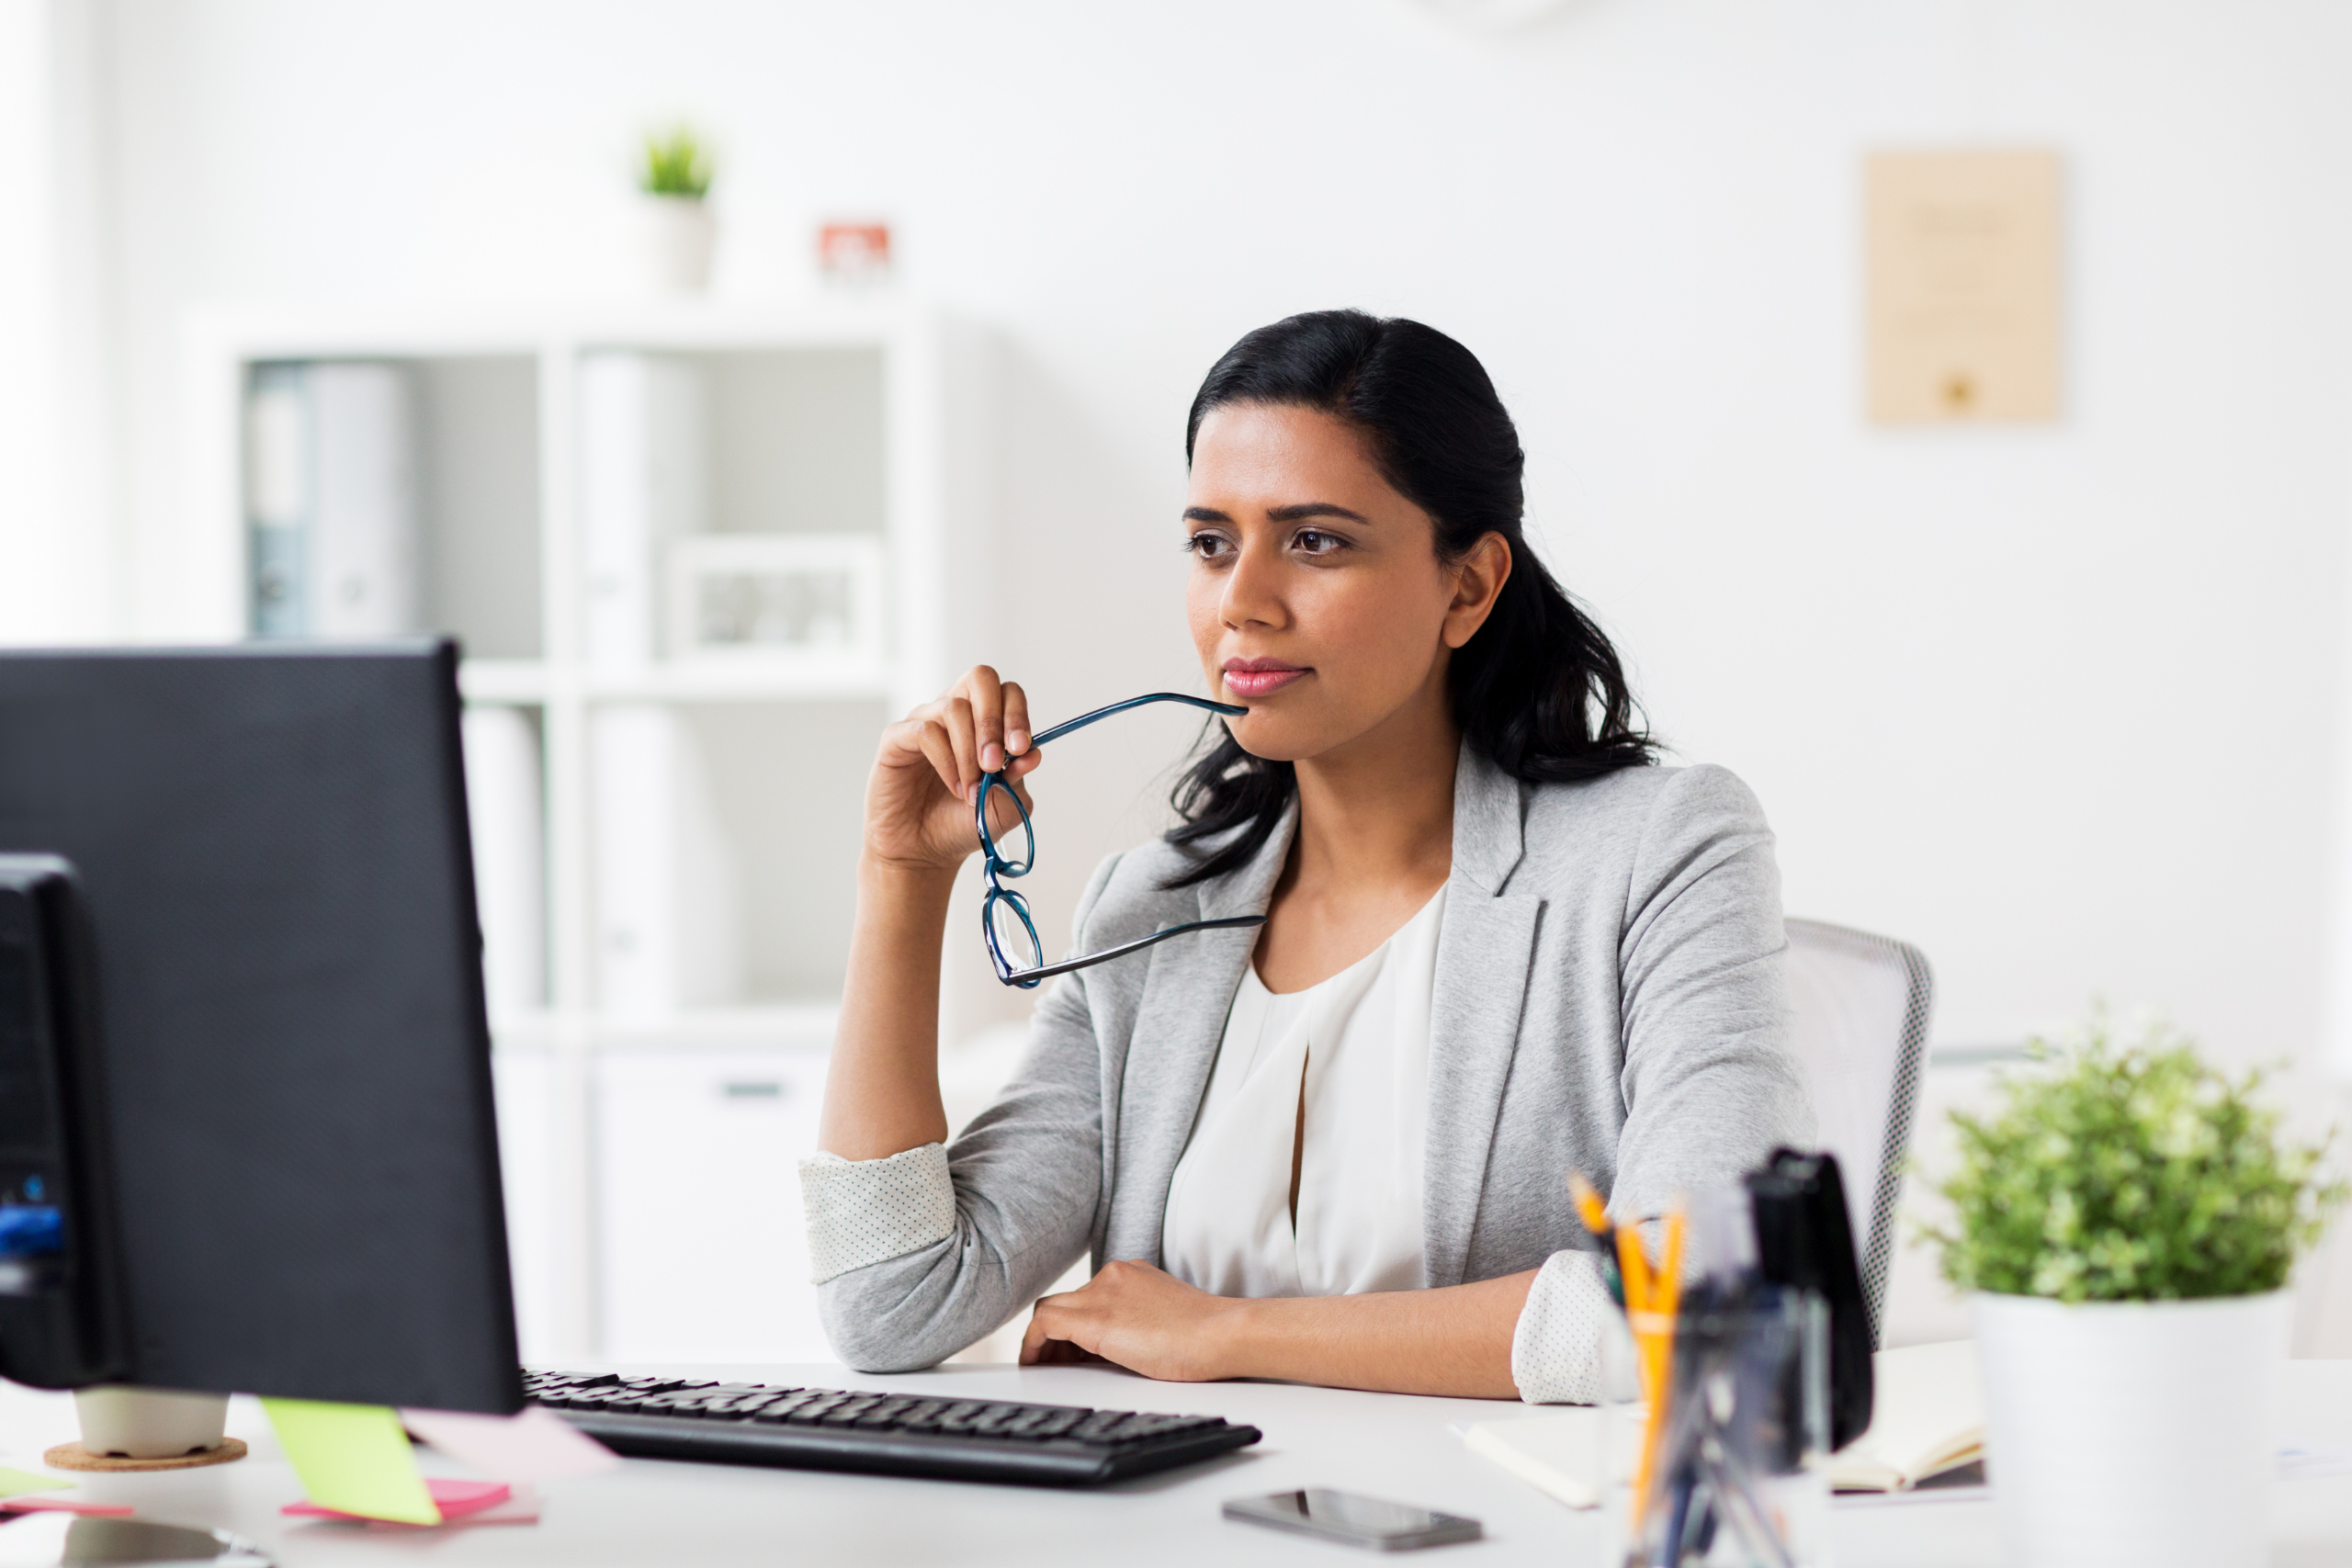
535	1445
1552	1452
1927	1421
13	1505
352	1459
454	1499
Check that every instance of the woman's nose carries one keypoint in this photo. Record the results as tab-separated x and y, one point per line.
1252	592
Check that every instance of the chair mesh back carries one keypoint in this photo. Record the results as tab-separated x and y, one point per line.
1861	1027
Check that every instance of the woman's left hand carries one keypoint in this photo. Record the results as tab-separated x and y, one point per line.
1140	1317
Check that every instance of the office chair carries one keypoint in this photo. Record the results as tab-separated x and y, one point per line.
1862	1004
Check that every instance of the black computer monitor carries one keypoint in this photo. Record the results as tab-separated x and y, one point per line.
271	847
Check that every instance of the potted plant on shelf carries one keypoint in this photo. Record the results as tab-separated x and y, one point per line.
2127	1219
677	232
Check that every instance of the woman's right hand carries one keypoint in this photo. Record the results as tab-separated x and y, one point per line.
919	799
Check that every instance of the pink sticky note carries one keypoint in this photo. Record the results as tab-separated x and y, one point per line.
521	1509
456	1499
535	1445
65	1506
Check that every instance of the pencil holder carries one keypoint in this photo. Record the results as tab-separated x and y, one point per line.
1730	1471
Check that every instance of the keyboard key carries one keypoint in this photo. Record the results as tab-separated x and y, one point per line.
849	1410
816	1410
785	1406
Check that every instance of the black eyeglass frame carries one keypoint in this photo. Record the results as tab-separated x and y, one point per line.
996	867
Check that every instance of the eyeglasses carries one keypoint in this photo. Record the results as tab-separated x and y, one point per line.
1011	935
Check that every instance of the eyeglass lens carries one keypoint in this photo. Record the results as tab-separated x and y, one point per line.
1012	933
1017	834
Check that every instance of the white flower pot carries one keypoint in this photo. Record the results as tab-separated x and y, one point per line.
149	1423
675	236
2134	1432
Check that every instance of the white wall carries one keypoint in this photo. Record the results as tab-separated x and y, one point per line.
2058	704
59	563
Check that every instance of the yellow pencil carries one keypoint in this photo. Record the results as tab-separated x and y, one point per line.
1661	1295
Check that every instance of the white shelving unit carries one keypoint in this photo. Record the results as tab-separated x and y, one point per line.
648	1156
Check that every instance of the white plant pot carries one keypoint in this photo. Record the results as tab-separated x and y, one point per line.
2134	1432
149	1423
675	237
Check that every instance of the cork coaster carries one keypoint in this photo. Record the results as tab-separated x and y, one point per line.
74	1456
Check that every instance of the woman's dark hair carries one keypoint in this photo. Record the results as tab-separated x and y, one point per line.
1539	690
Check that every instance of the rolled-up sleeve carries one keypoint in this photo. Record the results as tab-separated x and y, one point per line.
917	1256
866	1212
1555	1349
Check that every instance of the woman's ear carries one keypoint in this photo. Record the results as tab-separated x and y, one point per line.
1478	579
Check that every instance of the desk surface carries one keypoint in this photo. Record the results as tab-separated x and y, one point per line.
1390	1446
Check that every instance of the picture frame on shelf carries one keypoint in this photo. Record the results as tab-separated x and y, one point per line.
777	600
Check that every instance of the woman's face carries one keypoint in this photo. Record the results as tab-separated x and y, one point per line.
1317	597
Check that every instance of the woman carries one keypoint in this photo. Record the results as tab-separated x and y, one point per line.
1498	947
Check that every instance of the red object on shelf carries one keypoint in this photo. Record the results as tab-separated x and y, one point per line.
854	252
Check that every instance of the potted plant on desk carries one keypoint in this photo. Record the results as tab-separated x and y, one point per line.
674	212
2127	1219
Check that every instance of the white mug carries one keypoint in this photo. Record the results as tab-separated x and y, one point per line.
149	1423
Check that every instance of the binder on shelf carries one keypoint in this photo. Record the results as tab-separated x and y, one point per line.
644	480
667	927
503	801
331	491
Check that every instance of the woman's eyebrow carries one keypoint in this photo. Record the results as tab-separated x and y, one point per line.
1304	510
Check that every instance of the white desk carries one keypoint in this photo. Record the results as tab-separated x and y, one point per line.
1390	1446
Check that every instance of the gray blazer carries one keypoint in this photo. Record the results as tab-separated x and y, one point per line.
1609	998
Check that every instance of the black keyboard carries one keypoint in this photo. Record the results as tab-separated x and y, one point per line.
881	1433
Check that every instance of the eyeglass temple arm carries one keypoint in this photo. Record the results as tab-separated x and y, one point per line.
1230	710
1047	971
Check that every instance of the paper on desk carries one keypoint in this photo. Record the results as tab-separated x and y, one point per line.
1552	1452
454	1499
522	1507
13	1482
535	1445
352	1459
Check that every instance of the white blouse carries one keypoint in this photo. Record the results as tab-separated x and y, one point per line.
1357	1048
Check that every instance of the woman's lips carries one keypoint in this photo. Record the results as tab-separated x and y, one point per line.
1258	677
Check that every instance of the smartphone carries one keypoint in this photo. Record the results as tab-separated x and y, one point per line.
1358	1521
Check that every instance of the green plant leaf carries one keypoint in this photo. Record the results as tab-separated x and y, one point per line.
676	163
2118	1171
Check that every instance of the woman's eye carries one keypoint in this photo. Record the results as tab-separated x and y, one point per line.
1315	542
1208	547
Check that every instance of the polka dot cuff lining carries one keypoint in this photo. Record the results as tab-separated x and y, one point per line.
866	1212
1555	1349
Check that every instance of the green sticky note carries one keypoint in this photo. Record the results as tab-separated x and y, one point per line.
16	1483
353	1459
